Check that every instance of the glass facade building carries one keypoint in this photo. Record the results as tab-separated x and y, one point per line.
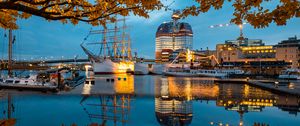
173	35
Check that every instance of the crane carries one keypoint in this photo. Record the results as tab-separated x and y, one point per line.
230	24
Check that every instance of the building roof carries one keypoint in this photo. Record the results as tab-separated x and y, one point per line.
291	42
182	29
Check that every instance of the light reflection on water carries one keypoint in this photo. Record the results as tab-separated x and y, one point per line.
152	100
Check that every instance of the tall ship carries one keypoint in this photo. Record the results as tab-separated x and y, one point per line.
112	53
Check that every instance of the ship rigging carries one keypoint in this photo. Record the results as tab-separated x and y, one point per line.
114	54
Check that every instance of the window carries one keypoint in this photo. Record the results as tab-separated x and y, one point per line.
17	81
9	81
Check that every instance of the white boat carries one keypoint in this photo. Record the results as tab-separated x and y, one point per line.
211	73
220	73
233	71
157	69
141	69
292	74
109	67
182	73
30	82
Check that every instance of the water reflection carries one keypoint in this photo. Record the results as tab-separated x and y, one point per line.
7	118
175	96
173	106
107	98
150	100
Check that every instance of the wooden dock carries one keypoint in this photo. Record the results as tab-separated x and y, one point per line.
273	86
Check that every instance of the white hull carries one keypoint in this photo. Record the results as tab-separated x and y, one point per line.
211	75
141	69
157	69
292	77
180	74
109	67
24	83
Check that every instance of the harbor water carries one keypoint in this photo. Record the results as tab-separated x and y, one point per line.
151	100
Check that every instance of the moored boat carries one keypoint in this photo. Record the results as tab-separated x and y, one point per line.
114	56
211	73
291	74
141	68
157	69
110	67
30	82
183	73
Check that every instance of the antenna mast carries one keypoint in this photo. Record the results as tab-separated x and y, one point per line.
175	18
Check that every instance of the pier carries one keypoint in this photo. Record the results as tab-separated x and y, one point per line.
283	86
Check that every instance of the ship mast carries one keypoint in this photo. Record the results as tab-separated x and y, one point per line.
123	40
104	42
129	48
115	47
10	44
114	44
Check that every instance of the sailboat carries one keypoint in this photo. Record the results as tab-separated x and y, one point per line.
115	52
30	82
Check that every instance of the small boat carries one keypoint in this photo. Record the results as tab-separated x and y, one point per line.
291	74
141	69
30	82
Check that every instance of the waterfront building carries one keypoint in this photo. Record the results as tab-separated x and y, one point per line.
250	55
288	50
173	35
249	50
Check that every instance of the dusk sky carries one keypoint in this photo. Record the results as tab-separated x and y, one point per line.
38	38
